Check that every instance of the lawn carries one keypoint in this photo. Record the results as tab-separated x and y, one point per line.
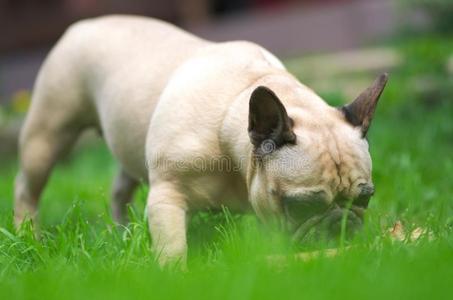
82	255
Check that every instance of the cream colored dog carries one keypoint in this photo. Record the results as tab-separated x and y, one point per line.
205	124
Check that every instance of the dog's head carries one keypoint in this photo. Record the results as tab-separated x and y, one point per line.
311	162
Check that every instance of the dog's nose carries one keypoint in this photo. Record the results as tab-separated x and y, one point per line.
366	191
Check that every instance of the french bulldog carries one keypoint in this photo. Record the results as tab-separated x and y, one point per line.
205	124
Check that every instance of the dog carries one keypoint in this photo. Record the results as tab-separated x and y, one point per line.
205	124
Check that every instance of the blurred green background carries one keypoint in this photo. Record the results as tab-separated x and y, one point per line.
81	254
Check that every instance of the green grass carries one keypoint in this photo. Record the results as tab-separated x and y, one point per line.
80	256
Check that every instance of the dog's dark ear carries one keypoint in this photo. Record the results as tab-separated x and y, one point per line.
268	121
360	111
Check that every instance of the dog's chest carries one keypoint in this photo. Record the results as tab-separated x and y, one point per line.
215	190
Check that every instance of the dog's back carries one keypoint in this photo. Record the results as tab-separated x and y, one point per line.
106	68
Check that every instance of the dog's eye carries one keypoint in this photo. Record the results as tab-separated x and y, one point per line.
303	206
318	196
310	197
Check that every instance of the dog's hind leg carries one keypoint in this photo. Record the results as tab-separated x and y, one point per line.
122	195
39	148
61	107
53	123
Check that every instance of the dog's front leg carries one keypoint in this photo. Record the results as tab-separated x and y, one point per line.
167	214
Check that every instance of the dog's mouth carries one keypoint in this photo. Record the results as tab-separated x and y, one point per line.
329	224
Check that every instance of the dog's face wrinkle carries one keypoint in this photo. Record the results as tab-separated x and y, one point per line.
336	160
